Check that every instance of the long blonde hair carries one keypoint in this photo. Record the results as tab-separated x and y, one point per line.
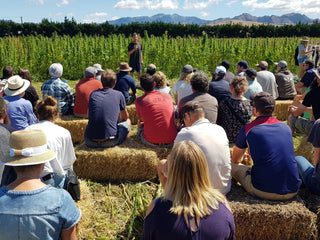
188	185
160	79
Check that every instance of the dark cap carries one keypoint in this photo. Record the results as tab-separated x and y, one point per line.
226	64
263	101
243	63
187	69
251	73
282	64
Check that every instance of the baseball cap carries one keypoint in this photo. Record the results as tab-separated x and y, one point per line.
282	64
220	70
262	64
151	67
263	101
187	69
243	63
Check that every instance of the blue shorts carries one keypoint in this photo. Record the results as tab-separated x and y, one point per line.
123	129
302	60
136	67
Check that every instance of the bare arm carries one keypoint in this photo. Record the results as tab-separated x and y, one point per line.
237	154
297	109
69	234
133	50
124	115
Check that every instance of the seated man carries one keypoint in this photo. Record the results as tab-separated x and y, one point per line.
7	72
58	89
307	78
267	79
105	105
285	81
83	90
310	174
212	140
219	87
125	82
253	85
200	86
20	110
310	104
274	174
155	110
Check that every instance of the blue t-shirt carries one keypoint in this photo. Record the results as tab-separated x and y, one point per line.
37	214
103	112
162	224
308	77
219	89
124	83
270	145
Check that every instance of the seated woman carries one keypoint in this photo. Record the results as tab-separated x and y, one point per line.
59	140
29	209
190	208
161	82
310	174
236	111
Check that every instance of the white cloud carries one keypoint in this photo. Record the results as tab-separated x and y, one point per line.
115	18
195	4
148	4
231	2
303	7
204	14
41	2
62	3
95	17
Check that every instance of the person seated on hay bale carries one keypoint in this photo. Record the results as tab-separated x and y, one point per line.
310	104
105	107
125	82
310	173
219	87
212	140
229	75
185	71
99	71
7	72
155	112
200	86
306	80
236	111
58	140
274	174
267	79
242	66
32	209
285	82
161	82
20	110
190	206
83	90
253	85
59	89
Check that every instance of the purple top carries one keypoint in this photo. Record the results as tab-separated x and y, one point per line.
162	224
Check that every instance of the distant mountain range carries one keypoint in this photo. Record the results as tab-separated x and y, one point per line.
291	18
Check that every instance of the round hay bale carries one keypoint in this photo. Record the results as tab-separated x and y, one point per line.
281	109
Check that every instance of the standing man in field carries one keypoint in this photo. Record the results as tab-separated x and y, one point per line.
135	53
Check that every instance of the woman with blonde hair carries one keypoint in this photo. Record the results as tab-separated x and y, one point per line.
185	72
161	82
236	111
190	208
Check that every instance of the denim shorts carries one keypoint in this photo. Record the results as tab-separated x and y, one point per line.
136	67
302	60
123	129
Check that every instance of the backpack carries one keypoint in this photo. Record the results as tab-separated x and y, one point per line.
296	62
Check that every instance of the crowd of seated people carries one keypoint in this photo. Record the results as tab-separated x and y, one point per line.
208	119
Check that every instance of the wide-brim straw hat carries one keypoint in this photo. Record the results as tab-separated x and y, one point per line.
305	39
124	67
316	72
28	147
16	85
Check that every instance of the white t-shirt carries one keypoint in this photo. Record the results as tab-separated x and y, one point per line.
58	140
213	141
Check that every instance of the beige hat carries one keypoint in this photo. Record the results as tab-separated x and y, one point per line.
28	147
262	64
16	85
305	39
124	67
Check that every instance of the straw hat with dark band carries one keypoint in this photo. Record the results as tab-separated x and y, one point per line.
28	147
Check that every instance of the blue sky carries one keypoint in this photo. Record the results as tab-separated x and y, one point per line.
87	11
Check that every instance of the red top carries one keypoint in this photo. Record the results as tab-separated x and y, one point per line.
157	112
83	90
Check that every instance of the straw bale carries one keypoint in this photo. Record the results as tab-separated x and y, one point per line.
305	149
130	161
281	109
132	114
86	205
75	126
262	219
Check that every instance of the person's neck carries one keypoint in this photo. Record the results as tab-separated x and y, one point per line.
26	183
240	97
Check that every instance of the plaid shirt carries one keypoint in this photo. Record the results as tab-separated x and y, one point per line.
61	91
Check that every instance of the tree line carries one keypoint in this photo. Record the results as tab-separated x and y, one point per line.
72	28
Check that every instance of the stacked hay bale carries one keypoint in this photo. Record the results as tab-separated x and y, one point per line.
281	109
305	149
129	161
262	219
132	114
75	126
